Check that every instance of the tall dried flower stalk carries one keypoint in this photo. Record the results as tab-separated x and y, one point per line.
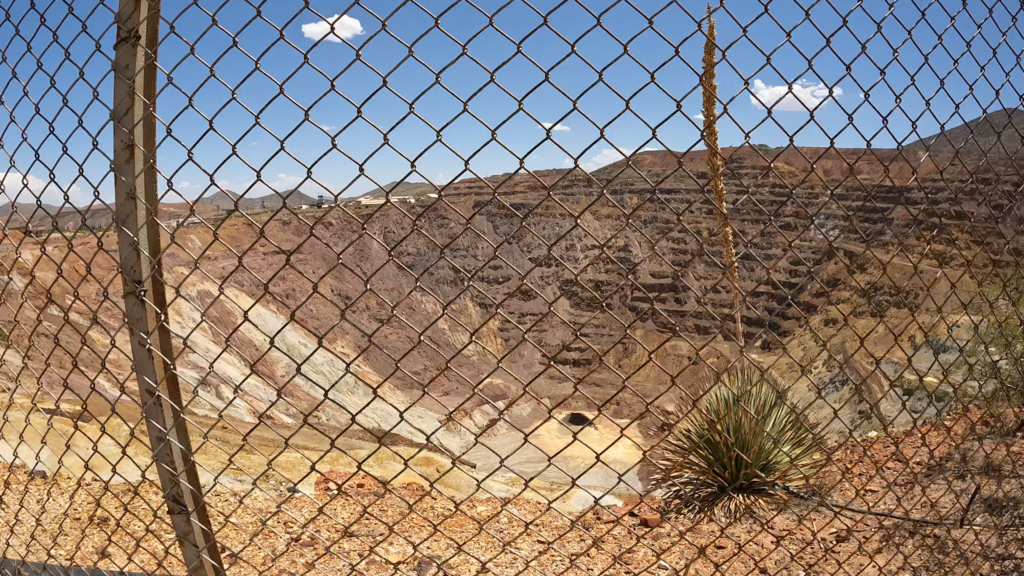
709	88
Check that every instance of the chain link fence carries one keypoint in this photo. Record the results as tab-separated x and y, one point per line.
511	288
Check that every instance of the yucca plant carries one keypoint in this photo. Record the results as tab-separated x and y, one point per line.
739	448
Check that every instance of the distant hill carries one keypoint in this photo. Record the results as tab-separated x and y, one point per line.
402	188
225	200
654	161
294	198
671	168
26	209
997	133
47	216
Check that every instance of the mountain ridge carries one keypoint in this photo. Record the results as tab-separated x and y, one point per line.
996	132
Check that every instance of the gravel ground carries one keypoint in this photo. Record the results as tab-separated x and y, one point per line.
353	524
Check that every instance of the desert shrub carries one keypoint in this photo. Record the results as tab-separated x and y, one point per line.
994	358
939	346
743	446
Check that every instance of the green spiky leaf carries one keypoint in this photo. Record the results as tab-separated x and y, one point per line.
740	447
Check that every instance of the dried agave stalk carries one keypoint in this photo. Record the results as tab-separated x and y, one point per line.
709	88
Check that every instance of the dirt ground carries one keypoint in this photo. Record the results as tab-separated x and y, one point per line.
354	524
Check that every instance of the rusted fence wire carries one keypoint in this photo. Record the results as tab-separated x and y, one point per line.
511	288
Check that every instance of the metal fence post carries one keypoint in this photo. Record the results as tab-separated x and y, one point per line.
135	71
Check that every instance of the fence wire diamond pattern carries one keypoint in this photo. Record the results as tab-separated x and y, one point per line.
512	288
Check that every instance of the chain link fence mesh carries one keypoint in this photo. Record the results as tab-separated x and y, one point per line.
446	291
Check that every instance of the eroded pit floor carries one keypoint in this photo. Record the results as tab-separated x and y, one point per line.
347	523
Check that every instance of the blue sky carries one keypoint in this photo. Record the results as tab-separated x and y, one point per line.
324	108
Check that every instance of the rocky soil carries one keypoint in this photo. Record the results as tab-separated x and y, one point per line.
953	470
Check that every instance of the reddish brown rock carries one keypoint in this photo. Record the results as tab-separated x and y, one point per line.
330	482
650	520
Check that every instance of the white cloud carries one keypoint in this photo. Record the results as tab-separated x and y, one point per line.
861	95
699	116
805	95
568	162
555	127
279	184
16	184
606	157
23	188
345	27
285	182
